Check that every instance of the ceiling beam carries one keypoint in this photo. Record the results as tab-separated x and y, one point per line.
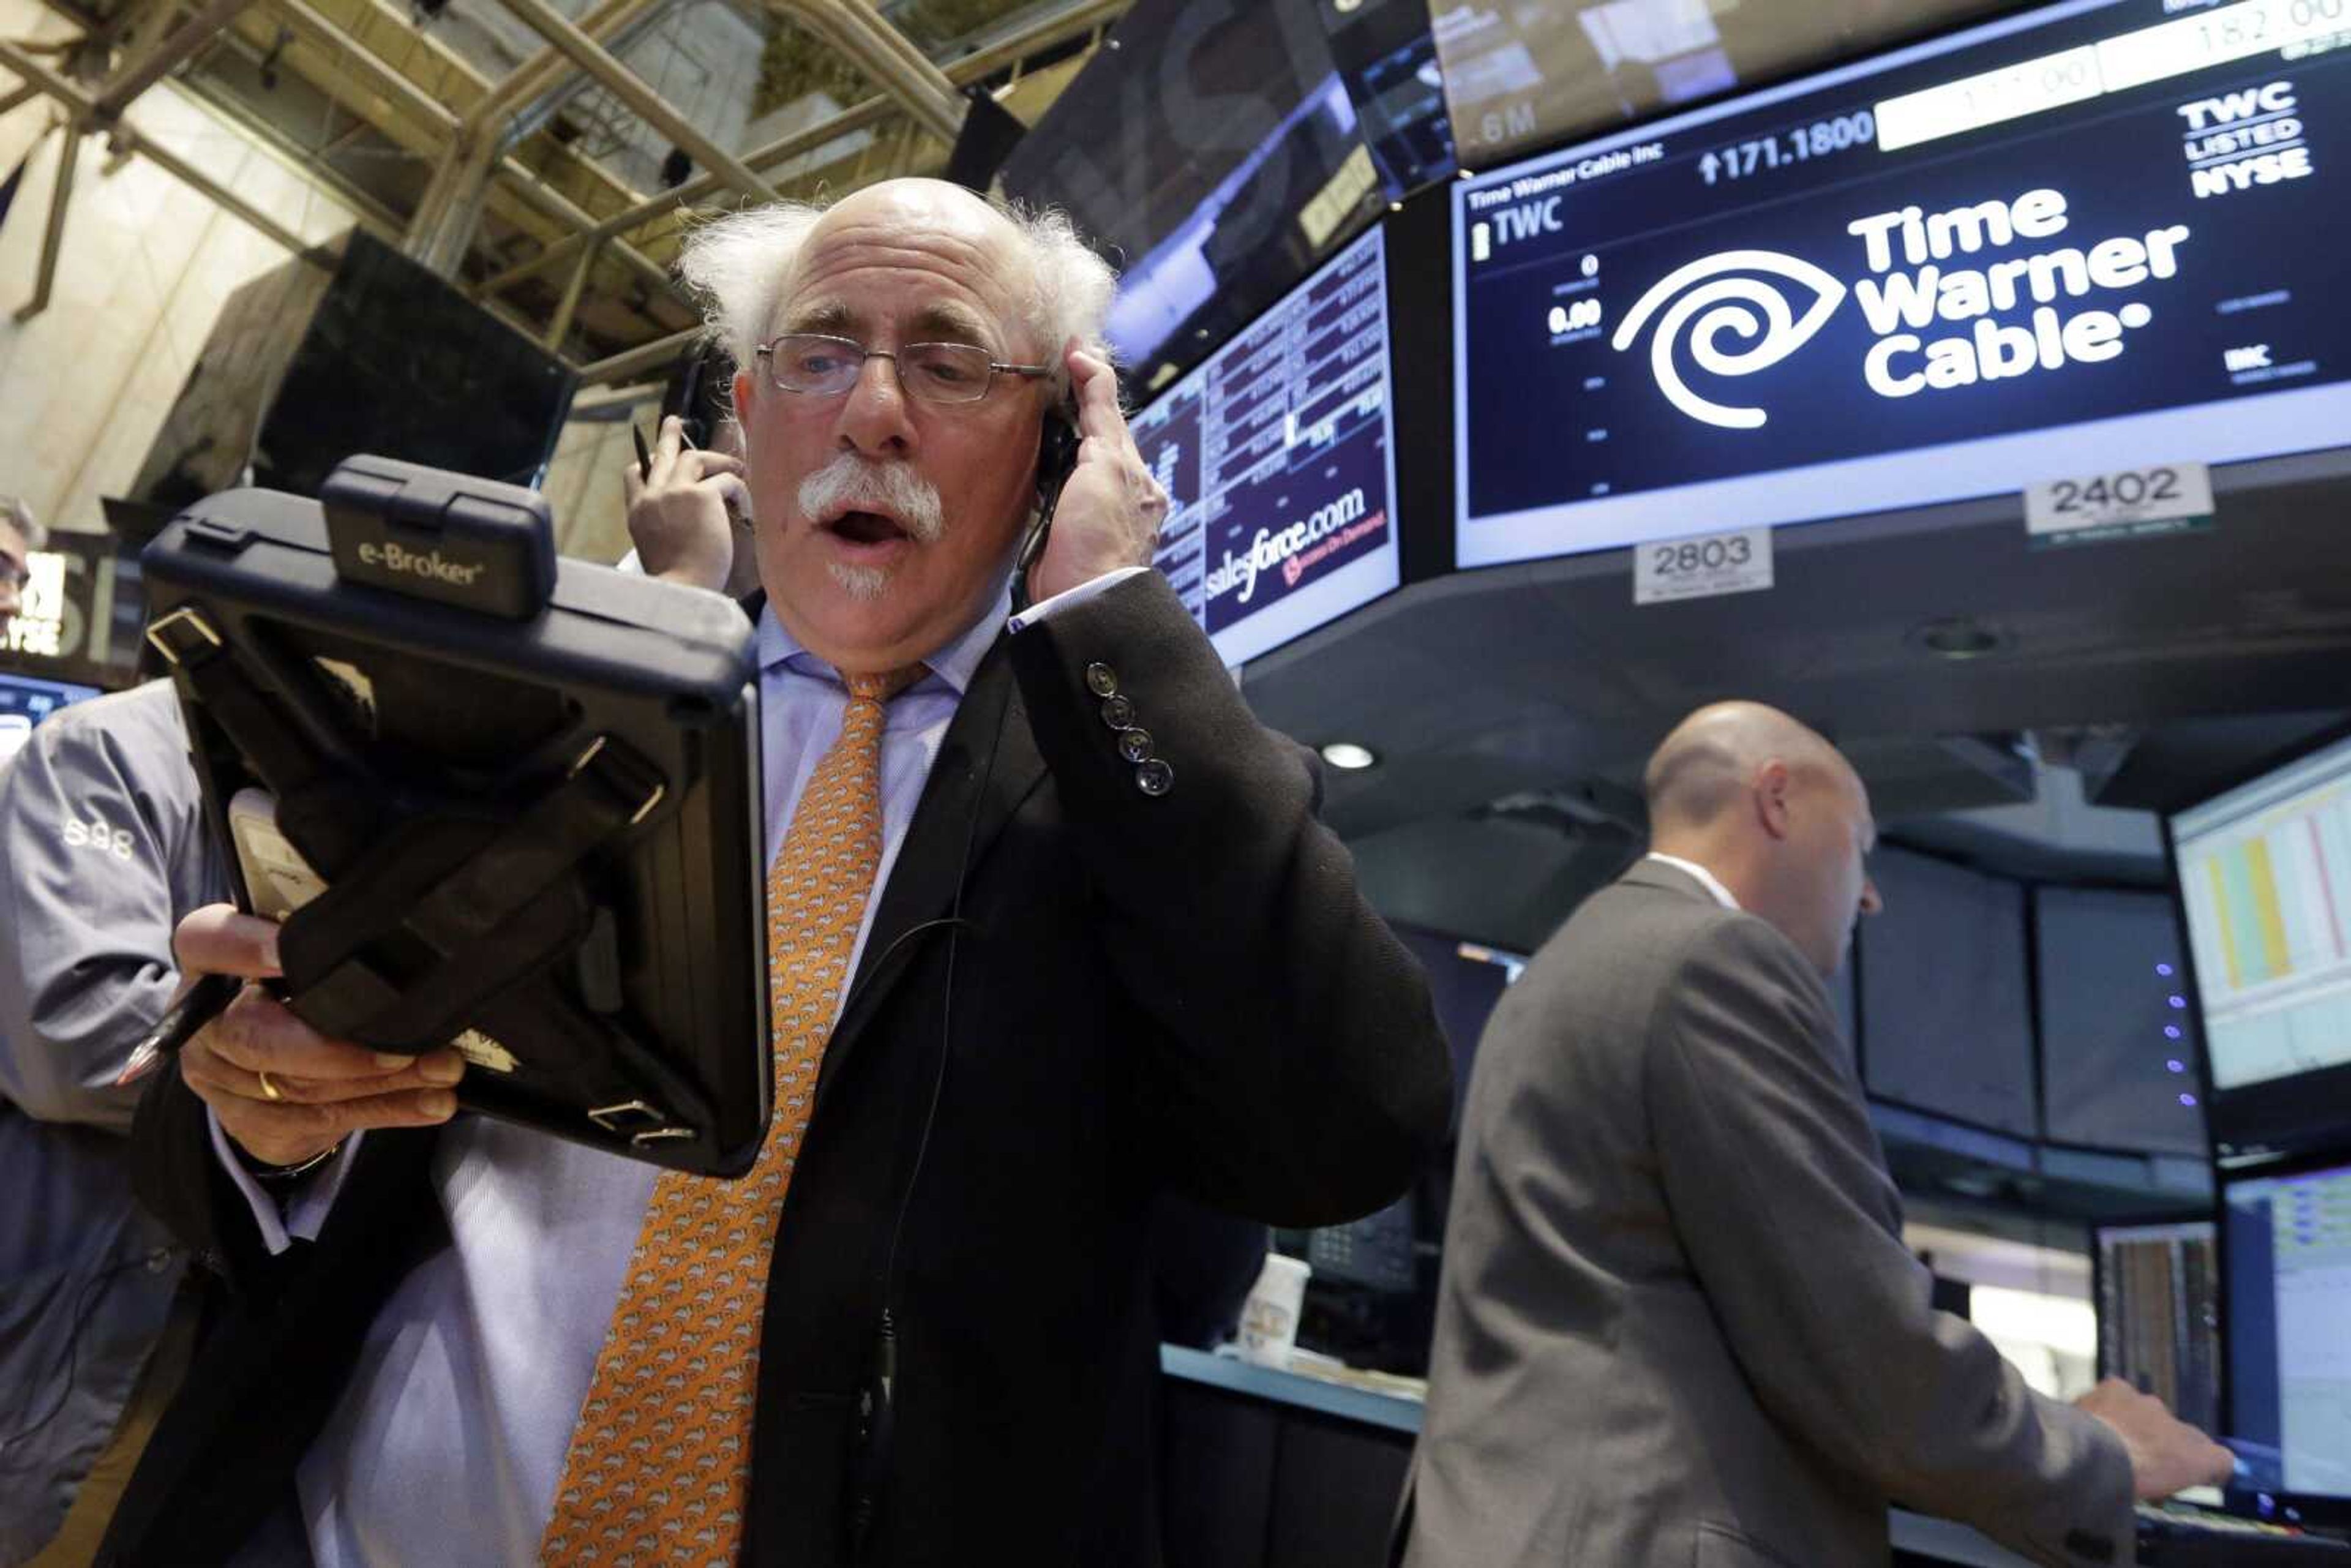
80	104
636	361
526	184
631	89
136	78
883	55
315	30
398	91
869	112
1074	22
539	74
53	239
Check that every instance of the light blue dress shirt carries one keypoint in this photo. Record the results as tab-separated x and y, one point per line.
449	1440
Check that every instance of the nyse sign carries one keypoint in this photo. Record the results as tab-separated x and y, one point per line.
72	626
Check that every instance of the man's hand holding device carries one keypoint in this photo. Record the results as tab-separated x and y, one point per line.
1110	508
283	1091
683	502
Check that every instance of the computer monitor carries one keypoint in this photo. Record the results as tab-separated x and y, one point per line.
2081	238
2263	876
1386	56
1277	454
25	701
1214	151
2286	1308
1533	73
1371	1300
1946	1017
2118	1062
2157	1288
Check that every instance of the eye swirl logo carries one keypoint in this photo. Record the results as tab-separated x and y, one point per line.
1755	309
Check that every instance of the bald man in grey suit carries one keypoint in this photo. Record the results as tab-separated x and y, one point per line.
1677	1324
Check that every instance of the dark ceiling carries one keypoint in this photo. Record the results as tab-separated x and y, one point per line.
1512	708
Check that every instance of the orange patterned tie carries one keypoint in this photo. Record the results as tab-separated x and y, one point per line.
661	1461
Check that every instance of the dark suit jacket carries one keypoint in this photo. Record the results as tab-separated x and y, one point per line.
1677	1324
1181	991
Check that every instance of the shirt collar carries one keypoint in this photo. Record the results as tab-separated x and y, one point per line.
951	668
1705	878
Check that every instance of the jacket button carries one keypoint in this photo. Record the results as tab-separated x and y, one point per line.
1134	745
1154	778
1101	680
1118	713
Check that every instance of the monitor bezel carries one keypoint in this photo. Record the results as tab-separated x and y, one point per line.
2265	1110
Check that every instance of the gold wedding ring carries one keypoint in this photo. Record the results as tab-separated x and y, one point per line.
269	1091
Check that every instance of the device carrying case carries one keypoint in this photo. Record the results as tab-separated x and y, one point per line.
530	790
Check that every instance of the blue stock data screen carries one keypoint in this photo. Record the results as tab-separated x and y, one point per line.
1277	456
2085	236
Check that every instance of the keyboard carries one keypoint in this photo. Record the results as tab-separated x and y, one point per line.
2175	1538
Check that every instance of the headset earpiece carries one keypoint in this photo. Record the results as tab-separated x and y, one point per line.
1057	457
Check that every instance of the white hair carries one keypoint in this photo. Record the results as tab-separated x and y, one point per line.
15	515
740	266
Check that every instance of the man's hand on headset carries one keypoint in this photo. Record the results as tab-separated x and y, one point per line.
1111	507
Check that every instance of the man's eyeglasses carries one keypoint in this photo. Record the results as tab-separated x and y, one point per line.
936	373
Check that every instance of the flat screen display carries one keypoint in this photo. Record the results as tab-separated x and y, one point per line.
399	363
1388	58
2118	1061
1946	1025
2265	877
1526	74
2160	1316
25	701
2087	235
2287	1247
1278	456
1214	154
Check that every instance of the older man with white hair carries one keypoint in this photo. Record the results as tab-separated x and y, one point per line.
1100	949
19	537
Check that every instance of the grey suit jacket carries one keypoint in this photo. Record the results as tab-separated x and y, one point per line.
103	847
1677	1324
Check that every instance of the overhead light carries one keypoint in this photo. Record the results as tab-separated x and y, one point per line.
1959	637
1348	755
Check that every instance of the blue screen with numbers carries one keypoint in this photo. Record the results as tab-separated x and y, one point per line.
1277	457
25	701
2084	236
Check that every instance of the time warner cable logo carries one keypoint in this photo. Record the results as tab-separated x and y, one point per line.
1728	300
1936	322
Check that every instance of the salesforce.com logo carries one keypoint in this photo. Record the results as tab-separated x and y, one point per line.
1952	298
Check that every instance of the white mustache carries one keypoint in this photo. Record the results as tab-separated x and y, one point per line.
851	484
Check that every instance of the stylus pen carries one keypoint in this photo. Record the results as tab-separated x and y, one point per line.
644	457
204	1001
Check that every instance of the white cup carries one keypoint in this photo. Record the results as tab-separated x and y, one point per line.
1269	1316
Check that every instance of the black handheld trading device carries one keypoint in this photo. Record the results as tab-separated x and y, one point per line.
530	787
